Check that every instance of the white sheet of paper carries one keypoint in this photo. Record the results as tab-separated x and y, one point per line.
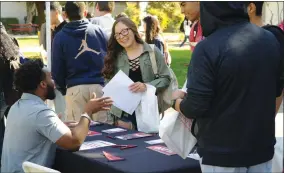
95	144
156	141
194	155
114	130
184	88
118	90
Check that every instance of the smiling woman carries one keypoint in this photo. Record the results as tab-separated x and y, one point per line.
124	35
129	53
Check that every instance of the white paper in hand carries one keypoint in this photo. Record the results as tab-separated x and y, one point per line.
184	88
95	144
118	90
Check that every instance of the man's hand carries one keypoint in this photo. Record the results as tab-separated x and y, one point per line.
126	125
178	94
98	104
137	87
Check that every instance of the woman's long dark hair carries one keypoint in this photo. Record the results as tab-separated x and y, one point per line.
152	29
114	48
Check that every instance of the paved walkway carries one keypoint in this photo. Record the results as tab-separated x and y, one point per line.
35	49
25	36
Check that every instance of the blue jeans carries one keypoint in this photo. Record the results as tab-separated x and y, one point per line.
260	168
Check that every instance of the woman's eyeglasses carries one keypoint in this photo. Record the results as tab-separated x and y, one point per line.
124	33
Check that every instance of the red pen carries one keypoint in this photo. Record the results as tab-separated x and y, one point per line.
118	146
111	137
128	146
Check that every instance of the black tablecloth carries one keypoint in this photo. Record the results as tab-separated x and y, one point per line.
138	160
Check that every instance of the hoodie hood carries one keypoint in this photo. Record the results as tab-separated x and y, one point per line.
217	15
76	28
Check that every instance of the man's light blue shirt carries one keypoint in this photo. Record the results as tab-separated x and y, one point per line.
31	132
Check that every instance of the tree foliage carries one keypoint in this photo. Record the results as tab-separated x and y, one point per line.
168	13
133	11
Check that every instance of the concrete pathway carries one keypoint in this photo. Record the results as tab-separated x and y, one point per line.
35	49
25	36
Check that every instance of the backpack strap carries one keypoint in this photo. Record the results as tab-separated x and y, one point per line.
153	60
268	27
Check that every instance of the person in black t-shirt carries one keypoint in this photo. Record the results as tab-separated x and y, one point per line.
254	9
59	23
56	17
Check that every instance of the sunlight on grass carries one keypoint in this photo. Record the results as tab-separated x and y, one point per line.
180	60
28	42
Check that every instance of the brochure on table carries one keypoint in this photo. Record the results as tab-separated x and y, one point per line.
95	144
134	136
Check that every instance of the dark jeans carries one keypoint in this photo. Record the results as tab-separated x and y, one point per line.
2	124
186	37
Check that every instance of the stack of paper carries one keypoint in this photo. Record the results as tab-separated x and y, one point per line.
118	90
95	144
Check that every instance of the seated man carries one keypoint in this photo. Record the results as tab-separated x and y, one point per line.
33	129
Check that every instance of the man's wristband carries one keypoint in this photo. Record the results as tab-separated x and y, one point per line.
85	115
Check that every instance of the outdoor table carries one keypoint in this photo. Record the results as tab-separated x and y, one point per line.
137	160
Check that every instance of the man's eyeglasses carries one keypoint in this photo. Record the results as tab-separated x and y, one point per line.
124	33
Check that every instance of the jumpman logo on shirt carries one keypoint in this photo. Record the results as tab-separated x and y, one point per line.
85	47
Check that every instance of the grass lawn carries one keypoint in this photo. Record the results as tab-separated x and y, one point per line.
28	42
180	57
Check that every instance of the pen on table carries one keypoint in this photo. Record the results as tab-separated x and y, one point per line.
111	137
128	146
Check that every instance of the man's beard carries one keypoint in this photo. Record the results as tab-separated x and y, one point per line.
50	93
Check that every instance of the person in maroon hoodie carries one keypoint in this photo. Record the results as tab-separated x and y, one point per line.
191	10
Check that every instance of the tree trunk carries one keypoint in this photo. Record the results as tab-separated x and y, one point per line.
30	10
41	12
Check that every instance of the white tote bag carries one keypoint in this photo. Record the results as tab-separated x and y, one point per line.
277	161
147	114
175	131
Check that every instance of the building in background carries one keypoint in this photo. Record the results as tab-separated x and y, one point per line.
272	11
20	10
16	10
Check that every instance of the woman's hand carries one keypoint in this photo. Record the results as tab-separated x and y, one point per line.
126	125
178	94
137	87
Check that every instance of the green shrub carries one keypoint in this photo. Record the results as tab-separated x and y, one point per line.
162	17
9	20
169	14
133	12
